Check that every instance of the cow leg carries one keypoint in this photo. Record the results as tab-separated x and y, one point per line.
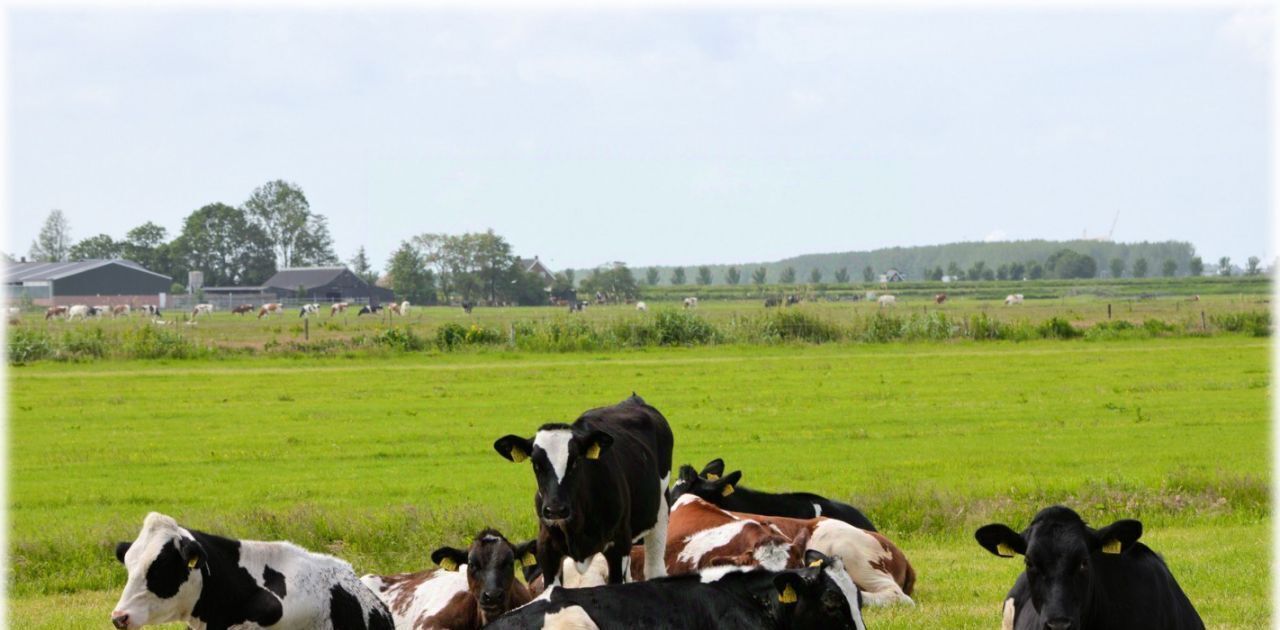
613	558
551	561
655	543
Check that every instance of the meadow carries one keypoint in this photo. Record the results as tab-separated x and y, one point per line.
380	459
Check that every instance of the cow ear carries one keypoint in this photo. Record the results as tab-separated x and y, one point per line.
526	553
191	552
730	481
788	584
596	443
1119	536
713	470
815	558
1000	540
449	558
514	448
122	549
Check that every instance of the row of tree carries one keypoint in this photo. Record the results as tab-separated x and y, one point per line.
471	267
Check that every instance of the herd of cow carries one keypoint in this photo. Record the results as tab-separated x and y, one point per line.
619	546
83	311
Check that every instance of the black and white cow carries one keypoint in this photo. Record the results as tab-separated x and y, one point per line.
369	309
819	596
601	486
1080	578
208	582
723	490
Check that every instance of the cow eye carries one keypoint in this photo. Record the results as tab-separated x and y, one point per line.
1084	564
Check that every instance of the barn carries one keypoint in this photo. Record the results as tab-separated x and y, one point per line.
324	284
106	281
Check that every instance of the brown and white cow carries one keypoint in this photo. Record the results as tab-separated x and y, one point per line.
399	309
338	307
55	311
271	308
242	309
120	309
473	586
199	309
940	298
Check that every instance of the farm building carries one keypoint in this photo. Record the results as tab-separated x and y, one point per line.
533	265
319	284
107	281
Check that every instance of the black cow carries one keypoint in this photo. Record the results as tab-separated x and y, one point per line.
819	596
1080	578
727	494
369	309
208	581
601	486
772	302
467	306
792	300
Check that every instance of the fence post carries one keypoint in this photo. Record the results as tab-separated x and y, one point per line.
1203	325
306	329
1108	311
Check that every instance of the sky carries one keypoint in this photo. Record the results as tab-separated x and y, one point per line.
654	136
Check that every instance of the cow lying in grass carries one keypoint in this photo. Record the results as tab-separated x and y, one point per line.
473	586
819	596
723	490
207	581
1080	578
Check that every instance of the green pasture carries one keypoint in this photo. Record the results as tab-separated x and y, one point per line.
381	459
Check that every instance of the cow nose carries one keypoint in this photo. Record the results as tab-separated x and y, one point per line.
555	512
491	598
1058	624
119	619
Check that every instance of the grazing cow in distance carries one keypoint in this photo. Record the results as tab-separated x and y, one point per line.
206	309
467	305
78	310
149	310
1082	578
577	306
939	298
818	596
691	302
887	300
369	309
793	299
772	302
120	309
724	491
473	587
242	309
271	308
207	581
338	307
601	486
98	310
308	309
1013	298
401	309
1194	298
55	311
642	307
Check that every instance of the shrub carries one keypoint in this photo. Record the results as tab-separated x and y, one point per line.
1057	328
1257	324
983	327
151	342
27	345
682	328
796	325
882	328
402	339
85	343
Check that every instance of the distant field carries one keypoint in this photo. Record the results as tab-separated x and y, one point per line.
381	459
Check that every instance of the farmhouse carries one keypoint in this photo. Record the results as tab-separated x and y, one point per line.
318	284
533	265
107	281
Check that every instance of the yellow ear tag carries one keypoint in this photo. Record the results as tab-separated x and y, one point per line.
815	563
448	564
727	490
788	595
191	564
1005	550
1112	547
593	452
712	476
518	455
529	560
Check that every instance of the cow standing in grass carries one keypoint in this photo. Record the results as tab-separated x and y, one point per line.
242	309
201	309
601	486
338	307
271	308
55	311
1013	298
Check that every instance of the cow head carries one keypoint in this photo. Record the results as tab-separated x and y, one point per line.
559	454
490	562
708	485
166	567
1060	553
821	595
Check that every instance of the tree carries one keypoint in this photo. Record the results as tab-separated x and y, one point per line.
1253	269
815	275
1017	271
935	274
148	246
1140	268
868	274
221	242
616	282
1035	270
651	276
677	276
54	242
409	277
953	270
298	237
788	276
562	286
100	247
361	267
759	276
1002	272
1170	268
732	275
1068	263
704	275
493	264
988	274
1196	266
977	270
842	275
1224	266
1117	267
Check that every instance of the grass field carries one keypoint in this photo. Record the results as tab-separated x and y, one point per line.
380	460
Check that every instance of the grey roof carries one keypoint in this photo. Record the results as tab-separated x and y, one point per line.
17	273
306	277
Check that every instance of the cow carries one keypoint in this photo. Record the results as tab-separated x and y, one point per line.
1013	298
120	309
55	311
98	310
772	302
467	305
939	298
724	491
887	300
149	310
818	596
338	307
691	302
369	309
642	307
473	587
308	309
1082	578
206	309
271	308
792	300
207	581
1194	298
242	309
601	486
400	309
78	310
